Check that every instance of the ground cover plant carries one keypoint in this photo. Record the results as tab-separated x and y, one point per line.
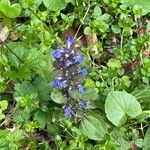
74	75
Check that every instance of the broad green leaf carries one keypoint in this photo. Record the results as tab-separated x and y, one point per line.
142	95
11	11
144	3
93	126
147	140
123	144
58	97
119	105
55	5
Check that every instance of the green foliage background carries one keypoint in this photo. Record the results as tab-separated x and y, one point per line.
117	86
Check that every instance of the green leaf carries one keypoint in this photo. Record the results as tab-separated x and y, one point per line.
97	12
22	115
3	142
11	11
90	94
15	136
144	3
120	105
42	88
87	30
2	116
58	97
24	88
146	145
142	95
123	144
114	63
3	104
42	118
93	126
55	5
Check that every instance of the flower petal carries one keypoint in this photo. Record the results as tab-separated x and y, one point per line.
70	41
79	58
68	112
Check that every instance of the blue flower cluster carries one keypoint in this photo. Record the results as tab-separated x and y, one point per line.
68	71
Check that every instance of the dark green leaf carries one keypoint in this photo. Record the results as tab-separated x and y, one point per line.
57	97
93	126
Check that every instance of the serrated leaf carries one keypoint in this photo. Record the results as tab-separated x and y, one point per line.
42	118
119	105
24	88
42	88
22	116
16	135
3	142
93	126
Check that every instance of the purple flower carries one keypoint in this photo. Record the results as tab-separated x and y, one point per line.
56	53
68	112
54	83
83	104
70	41
80	88
63	84
67	63
84	72
79	58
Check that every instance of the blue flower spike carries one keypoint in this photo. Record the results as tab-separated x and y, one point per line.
63	84
80	88
54	83
67	63
68	112
56	53
84	72
67	69
70	41
83	104
79	58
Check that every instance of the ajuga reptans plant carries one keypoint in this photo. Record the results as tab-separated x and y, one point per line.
69	76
